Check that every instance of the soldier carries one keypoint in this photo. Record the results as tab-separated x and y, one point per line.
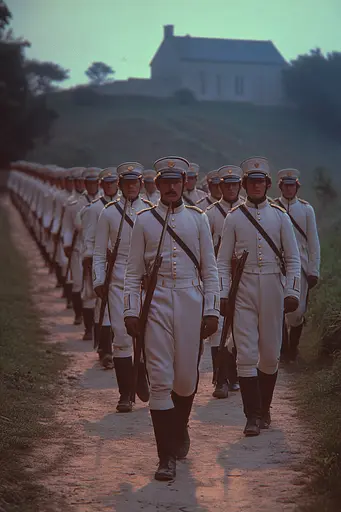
130	182
150	191
302	216
187	288
191	193
213	183
230	177
109	183
266	287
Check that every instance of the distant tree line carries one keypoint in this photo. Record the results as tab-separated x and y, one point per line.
313	83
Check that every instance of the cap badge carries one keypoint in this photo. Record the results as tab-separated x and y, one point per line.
171	163
130	168
230	171
256	165
289	173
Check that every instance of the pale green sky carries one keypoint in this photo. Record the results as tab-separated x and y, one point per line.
126	33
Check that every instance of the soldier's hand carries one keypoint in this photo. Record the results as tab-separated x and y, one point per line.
312	281
224	307
87	263
209	326
290	304
132	324
100	291
67	251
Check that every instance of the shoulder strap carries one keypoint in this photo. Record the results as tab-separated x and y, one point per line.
87	198
266	237
297	226
220	208
126	218
104	202
188	200
208	200
177	239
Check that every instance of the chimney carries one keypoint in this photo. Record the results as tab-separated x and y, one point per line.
168	31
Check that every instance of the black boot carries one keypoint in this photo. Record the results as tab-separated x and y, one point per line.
124	377
105	346
58	272
142	387
88	319
77	307
285	344
232	375
294	340
266	386
183	407
249	387
221	390
163	423
68	294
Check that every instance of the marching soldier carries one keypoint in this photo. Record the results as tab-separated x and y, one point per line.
109	183
130	182
150	191
213	183
302	216
230	177
267	286
187	288
192	194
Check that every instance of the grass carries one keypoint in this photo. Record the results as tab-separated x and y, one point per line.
319	383
210	133
28	373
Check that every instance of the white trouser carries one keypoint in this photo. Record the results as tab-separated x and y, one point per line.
214	340
296	318
258	323
106	319
61	258
172	343
123	343
76	271
88	295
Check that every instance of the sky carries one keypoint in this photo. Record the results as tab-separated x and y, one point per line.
125	34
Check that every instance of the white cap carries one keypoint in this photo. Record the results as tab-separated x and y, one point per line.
171	167
230	173
130	170
256	167
288	176
108	174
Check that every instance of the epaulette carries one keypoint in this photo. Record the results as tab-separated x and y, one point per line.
271	201
195	208
275	205
146	209
149	203
201	200
211	205
235	208
302	201
95	200
75	201
111	203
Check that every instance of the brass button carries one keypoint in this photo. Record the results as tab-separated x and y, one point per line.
260	258
174	248
259	246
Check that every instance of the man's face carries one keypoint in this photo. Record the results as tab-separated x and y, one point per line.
256	188
69	185
230	191
191	182
150	186
170	189
289	190
109	188
130	188
79	185
215	191
91	187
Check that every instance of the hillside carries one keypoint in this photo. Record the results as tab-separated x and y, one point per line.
211	134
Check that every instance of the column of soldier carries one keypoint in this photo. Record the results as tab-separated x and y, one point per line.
151	276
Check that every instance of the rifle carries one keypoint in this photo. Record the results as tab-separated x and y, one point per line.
110	268
228	319
139	340
73	243
55	248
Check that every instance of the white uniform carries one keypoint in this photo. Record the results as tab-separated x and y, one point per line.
172	337
107	230
153	198
205	202
216	220
304	215
193	195
257	325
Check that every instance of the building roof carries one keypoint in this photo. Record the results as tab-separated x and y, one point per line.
227	50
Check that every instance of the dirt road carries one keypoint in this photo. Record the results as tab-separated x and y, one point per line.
105	461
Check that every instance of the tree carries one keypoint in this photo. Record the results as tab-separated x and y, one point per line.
98	73
324	187
41	75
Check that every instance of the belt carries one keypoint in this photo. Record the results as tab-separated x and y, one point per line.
168	282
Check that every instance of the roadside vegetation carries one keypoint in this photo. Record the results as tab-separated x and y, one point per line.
319	381
29	371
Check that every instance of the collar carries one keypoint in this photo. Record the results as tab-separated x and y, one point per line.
110	198
163	207
229	205
259	206
123	199
288	202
